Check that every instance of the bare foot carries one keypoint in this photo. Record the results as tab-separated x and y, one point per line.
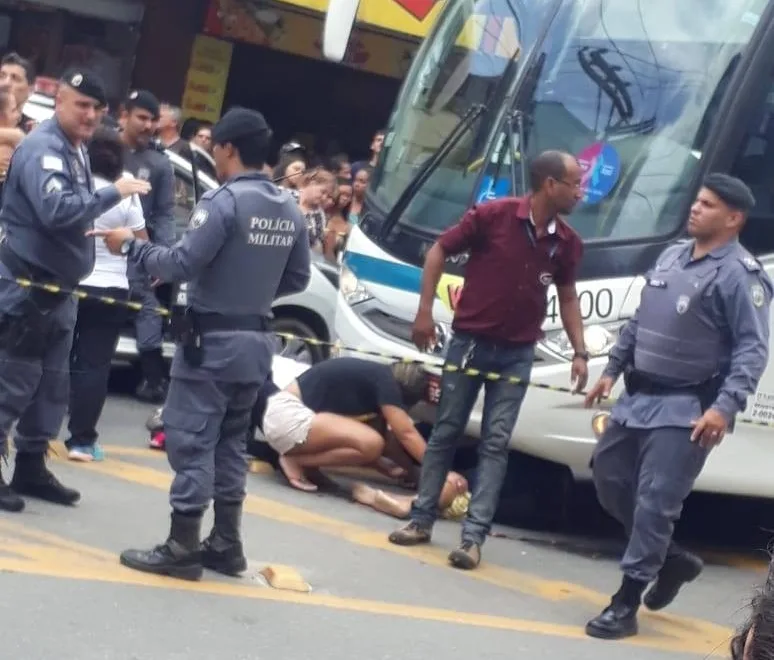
391	505
295	475
364	494
381	501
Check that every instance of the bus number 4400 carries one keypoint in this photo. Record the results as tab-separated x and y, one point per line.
597	304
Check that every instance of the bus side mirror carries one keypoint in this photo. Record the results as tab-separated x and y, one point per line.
339	21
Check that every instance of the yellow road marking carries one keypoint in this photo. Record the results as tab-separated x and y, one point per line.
731	559
40	553
684	633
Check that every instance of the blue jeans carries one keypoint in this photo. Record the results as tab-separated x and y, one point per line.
502	402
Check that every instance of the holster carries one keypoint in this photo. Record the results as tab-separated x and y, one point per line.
636	382
28	332
187	332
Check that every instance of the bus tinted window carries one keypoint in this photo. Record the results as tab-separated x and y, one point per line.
625	85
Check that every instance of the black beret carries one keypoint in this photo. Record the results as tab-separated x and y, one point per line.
732	191
87	83
239	123
145	100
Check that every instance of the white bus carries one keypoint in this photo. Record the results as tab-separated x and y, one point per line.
650	96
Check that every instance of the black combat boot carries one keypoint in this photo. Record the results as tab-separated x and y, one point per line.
676	571
153	388
179	557
9	501
222	549
619	619
32	478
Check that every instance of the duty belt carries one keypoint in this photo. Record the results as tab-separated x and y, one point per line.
229	322
637	382
21	269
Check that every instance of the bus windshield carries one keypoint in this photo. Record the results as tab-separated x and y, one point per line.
628	86
474	45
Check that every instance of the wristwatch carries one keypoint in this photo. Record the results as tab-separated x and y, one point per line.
126	246
582	356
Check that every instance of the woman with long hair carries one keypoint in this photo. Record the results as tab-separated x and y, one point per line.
98	326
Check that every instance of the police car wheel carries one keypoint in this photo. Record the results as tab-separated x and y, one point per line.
296	349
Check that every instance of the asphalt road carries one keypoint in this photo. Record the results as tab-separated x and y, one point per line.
65	594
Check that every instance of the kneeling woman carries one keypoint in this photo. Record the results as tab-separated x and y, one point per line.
98	326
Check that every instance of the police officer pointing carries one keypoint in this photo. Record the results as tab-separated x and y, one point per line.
693	353
49	203
245	246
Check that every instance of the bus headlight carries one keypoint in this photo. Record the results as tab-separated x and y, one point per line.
599	339
353	291
599	423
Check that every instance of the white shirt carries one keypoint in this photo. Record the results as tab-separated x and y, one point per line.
110	270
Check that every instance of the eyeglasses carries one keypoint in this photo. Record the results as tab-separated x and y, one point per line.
576	186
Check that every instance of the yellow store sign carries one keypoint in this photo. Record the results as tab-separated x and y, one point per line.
412	17
207	77
301	34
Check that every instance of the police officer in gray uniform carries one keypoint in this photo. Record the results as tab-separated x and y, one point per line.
246	245
693	353
139	117
49	203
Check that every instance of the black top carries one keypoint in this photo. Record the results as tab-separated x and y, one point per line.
350	387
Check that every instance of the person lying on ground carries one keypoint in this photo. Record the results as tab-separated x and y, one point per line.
453	503
283	416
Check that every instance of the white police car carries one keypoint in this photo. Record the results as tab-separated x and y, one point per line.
306	314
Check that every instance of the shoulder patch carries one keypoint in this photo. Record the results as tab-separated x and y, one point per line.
758	295
54	185
199	217
52	163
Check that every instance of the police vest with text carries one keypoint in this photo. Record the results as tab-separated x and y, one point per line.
244	277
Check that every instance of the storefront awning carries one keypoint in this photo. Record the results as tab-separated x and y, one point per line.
279	26
123	11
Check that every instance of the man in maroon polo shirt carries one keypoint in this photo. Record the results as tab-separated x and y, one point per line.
518	246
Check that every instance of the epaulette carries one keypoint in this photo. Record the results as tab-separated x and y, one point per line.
749	262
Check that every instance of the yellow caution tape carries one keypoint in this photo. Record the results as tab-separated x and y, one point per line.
313	341
82	295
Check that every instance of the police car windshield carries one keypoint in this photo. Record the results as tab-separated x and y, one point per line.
623	84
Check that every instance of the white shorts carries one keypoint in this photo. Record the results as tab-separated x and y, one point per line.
286	422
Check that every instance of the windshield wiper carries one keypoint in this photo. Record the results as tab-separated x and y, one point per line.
430	165
517	117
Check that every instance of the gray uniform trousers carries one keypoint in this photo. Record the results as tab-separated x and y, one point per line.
148	324
35	391
642	477
206	424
